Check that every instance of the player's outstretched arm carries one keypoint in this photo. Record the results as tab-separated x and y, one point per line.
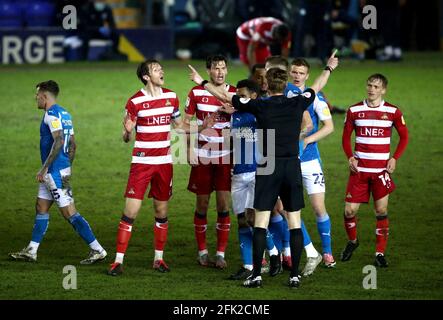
217	91
56	147
322	79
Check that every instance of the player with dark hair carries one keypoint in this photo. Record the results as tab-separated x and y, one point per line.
150	111
57	150
284	116
254	38
258	75
370	164
210	160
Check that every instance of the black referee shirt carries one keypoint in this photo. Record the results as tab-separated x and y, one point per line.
282	114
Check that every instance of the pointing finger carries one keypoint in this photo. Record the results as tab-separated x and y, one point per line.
192	68
334	53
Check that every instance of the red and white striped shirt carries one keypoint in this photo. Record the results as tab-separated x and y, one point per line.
153	126
373	130
210	141
260	30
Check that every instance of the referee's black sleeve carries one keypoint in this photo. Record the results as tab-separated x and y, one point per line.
244	105
308	97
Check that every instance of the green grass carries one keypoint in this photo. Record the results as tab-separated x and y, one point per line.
95	94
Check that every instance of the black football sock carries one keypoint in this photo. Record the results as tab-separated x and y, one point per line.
296	244
258	248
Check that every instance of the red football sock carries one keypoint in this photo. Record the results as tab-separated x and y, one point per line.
223	227
123	236
160	234
200	226
351	228
382	233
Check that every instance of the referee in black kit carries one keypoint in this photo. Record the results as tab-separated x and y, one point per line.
284	115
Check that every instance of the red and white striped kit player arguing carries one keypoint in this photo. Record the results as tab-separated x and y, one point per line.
212	171
150	111
371	165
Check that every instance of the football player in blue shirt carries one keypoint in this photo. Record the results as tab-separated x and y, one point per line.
313	179
57	150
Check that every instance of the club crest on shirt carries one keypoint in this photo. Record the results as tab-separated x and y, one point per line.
146	105
56	124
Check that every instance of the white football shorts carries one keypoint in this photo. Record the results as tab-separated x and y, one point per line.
242	191
49	190
313	178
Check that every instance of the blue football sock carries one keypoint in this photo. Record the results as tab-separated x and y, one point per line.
269	241
275	229
324	230
40	226
285	234
245	239
82	227
306	237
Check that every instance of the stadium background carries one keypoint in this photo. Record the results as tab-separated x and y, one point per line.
95	93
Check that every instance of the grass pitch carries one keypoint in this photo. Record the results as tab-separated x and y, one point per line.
95	94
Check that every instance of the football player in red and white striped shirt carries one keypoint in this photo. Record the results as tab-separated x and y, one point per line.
256	35
213	169
150	111
371	164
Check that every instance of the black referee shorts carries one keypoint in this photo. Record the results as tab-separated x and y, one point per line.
285	181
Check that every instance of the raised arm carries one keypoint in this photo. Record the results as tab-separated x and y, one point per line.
322	79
